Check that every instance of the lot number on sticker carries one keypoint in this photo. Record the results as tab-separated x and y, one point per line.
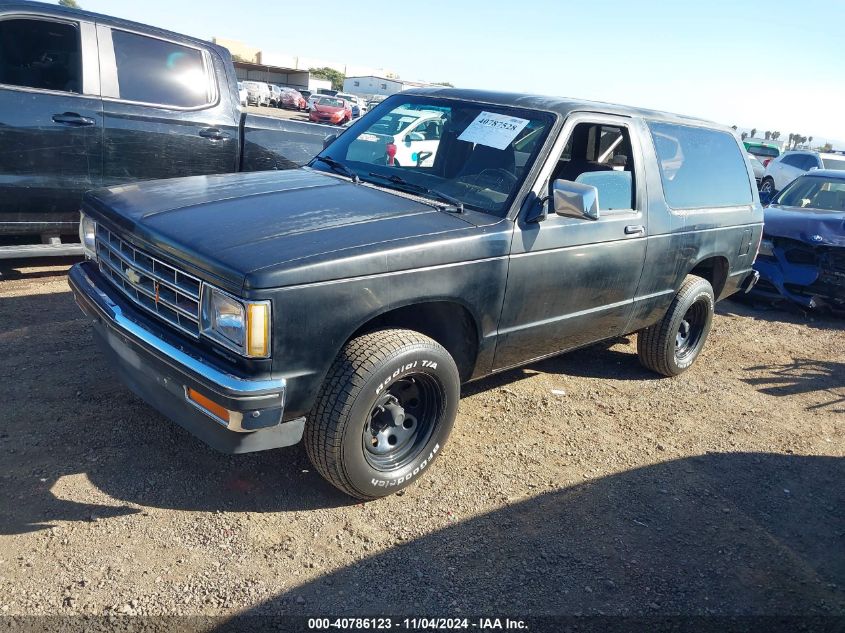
493	130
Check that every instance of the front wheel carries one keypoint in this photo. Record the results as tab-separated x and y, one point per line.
671	345
385	411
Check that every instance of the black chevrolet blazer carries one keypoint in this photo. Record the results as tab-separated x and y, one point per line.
446	235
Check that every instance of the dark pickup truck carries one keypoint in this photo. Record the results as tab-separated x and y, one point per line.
346	302
88	101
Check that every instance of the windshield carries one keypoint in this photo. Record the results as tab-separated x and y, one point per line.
762	150
476	153
331	102
834	163
814	192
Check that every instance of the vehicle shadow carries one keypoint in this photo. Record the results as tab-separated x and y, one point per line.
596	361
36	268
64	414
721	533
780	312
803	375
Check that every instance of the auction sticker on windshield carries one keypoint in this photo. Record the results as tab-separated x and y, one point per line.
493	130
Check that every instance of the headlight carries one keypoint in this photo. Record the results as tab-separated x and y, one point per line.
87	235
766	248
242	326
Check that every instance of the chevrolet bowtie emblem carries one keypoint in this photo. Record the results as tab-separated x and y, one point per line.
133	276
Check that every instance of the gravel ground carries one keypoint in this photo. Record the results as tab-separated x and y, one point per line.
579	485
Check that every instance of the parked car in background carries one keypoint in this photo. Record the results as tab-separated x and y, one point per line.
758	168
373	101
332	110
313	99
306	94
122	102
788	166
802	254
763	150
258	93
521	242
292	98
275	96
356	105
243	93
412	135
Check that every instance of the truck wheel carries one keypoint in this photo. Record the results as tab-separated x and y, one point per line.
385	411
672	344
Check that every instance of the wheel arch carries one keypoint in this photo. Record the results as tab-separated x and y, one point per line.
447	321
715	269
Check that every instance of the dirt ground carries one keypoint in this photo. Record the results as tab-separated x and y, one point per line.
579	485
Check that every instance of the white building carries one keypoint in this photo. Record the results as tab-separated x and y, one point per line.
371	85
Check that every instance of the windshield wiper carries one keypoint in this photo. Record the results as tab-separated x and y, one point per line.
339	167
415	188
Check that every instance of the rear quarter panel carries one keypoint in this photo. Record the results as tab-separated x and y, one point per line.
679	240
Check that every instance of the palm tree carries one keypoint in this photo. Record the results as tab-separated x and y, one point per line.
768	135
810	140
791	138
744	135
775	136
753	132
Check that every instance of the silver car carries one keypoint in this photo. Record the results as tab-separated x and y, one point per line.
788	166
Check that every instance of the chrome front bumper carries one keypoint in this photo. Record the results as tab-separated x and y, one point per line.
161	372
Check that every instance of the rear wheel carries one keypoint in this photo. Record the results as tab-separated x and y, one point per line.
385	411
671	345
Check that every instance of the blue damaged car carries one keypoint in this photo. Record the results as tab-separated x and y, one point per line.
802	254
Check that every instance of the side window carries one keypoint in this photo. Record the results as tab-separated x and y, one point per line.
600	155
40	54
155	71
808	161
794	160
700	167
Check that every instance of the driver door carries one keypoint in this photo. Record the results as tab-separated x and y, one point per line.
572	280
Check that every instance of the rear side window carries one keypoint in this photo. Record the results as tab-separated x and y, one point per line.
700	167
40	54
155	71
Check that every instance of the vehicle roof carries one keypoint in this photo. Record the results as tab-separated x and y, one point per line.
834	174
559	105
813	152
757	141
29	6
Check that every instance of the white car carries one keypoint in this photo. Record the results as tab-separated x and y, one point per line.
414	134
258	93
359	108
243	93
788	166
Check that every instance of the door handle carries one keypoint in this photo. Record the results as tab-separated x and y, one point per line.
215	134
635	229
72	118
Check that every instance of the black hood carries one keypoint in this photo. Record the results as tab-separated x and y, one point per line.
239	228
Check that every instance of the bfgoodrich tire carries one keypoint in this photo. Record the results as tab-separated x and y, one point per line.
671	345
385	411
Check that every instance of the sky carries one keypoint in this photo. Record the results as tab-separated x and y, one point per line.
765	64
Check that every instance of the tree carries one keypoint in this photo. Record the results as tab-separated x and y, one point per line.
71	4
444	83
768	135
334	76
810	140
827	147
744	135
753	132
791	138
775	136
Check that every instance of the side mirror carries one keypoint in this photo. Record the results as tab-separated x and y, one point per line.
329	140
414	136
574	200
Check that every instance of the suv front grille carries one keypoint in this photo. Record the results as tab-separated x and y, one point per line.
157	287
